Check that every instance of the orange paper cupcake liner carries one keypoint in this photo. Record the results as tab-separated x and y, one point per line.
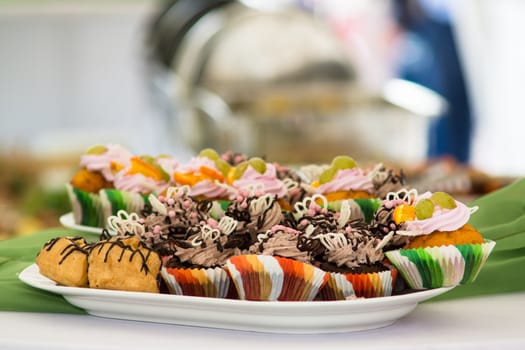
341	286
212	282
269	278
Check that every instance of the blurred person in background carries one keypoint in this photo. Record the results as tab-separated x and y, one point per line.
429	56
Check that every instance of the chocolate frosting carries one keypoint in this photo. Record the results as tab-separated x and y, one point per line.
386	180
254	215
209	254
281	241
170	219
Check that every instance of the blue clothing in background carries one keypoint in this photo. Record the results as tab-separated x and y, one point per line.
430	58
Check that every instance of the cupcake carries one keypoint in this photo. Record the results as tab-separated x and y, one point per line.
274	278
343	179
344	247
205	175
443	250
98	168
196	266
353	258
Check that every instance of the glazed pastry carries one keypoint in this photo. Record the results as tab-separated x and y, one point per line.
123	264
65	261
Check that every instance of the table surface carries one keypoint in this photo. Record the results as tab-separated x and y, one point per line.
473	323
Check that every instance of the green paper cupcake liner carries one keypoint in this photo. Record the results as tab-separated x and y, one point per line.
87	207
93	209
113	200
445	266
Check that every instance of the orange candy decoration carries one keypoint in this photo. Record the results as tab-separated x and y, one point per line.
404	213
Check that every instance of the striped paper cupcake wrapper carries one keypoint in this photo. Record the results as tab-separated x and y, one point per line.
113	200
270	278
211	282
445	266
87	207
341	286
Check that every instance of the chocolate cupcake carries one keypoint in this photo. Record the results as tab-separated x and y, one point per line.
196	266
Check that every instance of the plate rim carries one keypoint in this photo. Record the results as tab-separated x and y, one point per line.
398	304
68	221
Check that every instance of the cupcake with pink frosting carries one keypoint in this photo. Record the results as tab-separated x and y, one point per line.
443	250
98	168
112	179
344	179
205	175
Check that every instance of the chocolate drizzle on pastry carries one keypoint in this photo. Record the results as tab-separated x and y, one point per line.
122	245
77	244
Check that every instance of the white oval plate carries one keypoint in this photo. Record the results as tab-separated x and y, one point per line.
260	316
68	221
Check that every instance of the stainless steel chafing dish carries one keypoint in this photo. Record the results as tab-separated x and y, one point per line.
277	82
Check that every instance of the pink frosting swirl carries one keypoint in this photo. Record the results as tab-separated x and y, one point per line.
195	164
267	182
138	183
212	189
208	188
103	162
442	219
346	180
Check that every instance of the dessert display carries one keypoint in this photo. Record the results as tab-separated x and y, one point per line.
239	227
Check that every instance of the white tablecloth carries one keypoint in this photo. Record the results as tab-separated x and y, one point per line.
494	322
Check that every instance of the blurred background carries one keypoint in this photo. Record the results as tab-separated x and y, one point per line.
433	87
